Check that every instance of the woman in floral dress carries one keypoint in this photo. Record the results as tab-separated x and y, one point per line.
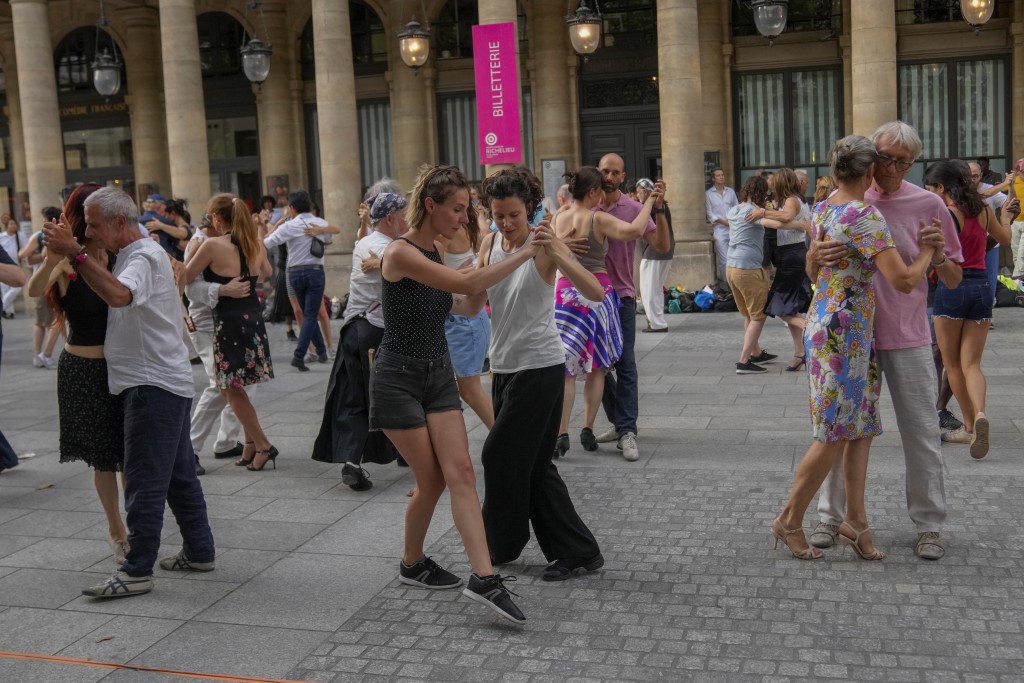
844	386
241	350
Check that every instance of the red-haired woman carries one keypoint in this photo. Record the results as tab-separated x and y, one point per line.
91	418
241	351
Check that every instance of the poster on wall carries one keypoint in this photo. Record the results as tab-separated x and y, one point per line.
552	172
497	93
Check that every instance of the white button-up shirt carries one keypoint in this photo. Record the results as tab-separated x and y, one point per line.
718	205
293	232
365	289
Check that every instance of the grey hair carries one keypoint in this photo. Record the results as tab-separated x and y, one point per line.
801	174
899	134
563	192
851	157
385	184
113	203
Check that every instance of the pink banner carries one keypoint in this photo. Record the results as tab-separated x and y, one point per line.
497	93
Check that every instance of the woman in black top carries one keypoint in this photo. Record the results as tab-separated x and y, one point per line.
91	418
413	395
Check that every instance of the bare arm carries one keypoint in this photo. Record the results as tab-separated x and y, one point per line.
12	275
556	254
265	269
406	261
999	228
178	232
103	282
790	210
899	274
48	273
197	262
931	235
610	226
29	253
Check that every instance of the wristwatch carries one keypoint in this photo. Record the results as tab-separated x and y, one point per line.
943	261
655	210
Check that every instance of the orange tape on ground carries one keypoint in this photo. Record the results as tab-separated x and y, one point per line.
131	667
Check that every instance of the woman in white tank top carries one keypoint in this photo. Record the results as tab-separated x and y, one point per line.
521	484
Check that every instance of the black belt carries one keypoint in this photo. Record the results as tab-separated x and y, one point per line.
308	267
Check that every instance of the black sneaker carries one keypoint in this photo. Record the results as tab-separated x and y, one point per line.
200	470
322	357
948	421
560	570
427	574
588	439
297	363
355	477
235	451
491	591
749	368
763	357
291	336
561	446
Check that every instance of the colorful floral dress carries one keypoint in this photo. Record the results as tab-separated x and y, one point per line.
241	352
840	326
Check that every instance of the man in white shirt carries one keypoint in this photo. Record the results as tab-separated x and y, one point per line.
148	366
344	432
11	241
305	271
718	200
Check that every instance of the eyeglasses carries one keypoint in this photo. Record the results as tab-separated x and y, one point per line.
901	164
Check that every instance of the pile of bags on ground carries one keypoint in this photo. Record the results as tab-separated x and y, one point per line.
1009	292
713	298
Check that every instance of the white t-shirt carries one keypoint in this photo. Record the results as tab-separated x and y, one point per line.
364	293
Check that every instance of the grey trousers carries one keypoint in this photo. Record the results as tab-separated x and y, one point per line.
721	248
910	376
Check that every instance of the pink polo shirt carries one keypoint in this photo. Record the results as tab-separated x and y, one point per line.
619	259
901	320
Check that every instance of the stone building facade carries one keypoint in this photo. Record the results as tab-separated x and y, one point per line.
677	87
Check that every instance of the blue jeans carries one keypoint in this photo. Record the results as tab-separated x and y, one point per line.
308	285
992	268
621	398
159	465
8	458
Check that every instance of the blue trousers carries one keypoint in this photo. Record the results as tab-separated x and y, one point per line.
621	398
308	285
8	458
160	465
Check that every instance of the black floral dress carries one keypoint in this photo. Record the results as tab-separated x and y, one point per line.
241	350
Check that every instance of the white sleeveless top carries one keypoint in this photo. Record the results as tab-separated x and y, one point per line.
523	332
786	237
456	261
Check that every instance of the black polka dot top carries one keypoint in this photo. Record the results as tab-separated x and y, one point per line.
414	315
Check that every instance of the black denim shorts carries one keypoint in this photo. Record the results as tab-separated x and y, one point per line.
972	300
403	390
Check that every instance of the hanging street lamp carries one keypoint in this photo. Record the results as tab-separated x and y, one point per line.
585	28
106	68
414	44
256	53
770	17
977	12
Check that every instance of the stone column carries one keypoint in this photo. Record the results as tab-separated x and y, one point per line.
336	114
682	146
145	98
554	106
40	117
278	153
1017	34
186	110
13	110
873	58
715	96
500	12
413	132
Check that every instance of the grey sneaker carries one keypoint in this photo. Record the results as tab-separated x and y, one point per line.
491	591
120	548
929	546
180	563
120	585
608	436
628	446
427	574
824	535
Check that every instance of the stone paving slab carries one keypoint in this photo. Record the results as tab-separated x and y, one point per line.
692	590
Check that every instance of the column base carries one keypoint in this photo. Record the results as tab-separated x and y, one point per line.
693	266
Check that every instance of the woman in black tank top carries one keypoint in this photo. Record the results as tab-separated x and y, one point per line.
413	396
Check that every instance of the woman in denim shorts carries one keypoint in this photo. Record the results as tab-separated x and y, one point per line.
413	395
963	314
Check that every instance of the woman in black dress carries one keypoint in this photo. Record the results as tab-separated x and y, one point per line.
241	350
91	418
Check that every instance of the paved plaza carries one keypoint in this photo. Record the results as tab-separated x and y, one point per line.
306	582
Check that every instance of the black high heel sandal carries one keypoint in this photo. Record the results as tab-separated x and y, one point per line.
272	454
243	461
798	366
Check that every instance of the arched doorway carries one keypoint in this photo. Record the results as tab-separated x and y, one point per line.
232	136
96	130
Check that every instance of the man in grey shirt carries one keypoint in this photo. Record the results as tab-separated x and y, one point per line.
148	366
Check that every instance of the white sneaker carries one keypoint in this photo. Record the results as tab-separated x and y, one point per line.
628	446
46	361
608	436
311	358
36	363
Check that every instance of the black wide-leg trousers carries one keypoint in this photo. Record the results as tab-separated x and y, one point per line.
521	483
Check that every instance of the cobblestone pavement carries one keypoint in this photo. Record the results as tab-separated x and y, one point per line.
305	587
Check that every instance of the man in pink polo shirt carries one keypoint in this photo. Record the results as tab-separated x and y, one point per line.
621	393
902	338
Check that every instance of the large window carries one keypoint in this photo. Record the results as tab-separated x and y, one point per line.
375	158
220	39
73	56
232	137
960	109
787	118
97	148
936	11
804	15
